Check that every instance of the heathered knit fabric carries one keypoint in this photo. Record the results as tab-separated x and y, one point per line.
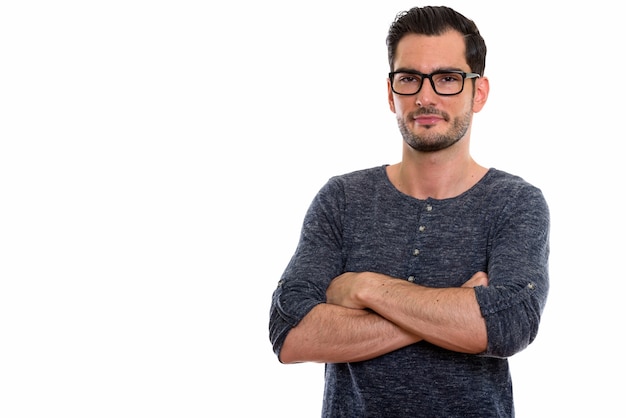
361	222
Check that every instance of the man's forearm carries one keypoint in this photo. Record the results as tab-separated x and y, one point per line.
449	318
335	334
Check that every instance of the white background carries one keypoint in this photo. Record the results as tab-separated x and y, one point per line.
156	160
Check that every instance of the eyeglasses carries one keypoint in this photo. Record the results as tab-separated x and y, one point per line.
445	83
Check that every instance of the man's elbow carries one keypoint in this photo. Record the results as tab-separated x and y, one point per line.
479	344
286	356
509	342
288	352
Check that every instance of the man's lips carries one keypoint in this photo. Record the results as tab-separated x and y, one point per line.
428	119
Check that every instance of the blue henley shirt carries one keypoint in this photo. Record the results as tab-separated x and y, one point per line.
360	222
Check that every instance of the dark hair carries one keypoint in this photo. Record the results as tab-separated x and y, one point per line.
435	20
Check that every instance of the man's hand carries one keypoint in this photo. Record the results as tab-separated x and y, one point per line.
478	279
342	289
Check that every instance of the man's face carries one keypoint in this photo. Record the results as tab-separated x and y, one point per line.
430	122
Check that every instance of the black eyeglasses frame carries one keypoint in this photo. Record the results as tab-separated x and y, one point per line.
432	83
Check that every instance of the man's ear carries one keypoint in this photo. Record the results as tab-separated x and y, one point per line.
392	105
481	93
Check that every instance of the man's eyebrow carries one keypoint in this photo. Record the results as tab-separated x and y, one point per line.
414	71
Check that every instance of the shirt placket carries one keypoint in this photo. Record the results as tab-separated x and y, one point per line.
417	248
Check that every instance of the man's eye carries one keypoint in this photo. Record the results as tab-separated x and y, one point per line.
409	79
449	78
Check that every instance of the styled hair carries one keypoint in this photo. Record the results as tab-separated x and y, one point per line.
433	21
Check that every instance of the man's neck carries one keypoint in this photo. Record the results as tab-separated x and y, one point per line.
438	175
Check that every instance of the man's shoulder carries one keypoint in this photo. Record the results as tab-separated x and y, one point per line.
364	174
503	185
362	178
358	183
500	178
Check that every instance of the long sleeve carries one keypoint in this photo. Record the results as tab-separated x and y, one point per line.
513	302
316	261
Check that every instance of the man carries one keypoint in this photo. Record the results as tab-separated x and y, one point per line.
414	282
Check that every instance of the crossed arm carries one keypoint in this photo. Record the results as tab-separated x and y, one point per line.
370	314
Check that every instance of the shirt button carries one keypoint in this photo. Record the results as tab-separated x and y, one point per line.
429	208
411	279
416	252
422	228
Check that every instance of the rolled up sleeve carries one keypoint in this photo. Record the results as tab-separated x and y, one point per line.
316	261
513	302
291	301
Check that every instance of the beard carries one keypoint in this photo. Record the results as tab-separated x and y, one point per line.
432	142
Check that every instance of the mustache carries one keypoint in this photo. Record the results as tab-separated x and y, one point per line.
429	111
